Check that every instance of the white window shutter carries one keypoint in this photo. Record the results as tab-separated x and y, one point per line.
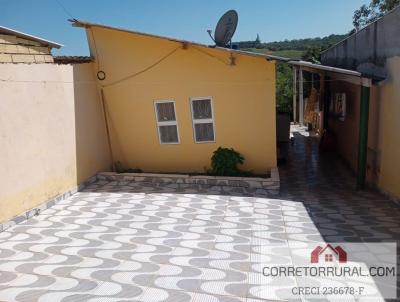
166	111
203	120
202	109
167	122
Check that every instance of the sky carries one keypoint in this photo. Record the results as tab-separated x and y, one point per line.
273	20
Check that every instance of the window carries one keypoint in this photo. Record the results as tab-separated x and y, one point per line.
166	122
328	258
203	120
340	106
337	106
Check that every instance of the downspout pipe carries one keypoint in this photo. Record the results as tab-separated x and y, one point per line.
363	135
104	107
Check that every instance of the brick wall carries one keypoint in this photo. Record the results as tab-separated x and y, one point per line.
17	50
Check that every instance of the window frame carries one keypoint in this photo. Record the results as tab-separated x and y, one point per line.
166	123
203	121
342	96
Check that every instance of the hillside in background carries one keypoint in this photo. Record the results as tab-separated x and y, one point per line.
290	48
302	44
305	49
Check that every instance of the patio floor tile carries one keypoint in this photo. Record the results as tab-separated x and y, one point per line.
135	242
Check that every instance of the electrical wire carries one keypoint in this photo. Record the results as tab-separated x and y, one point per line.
105	111
210	55
155	64
143	70
95	49
65	10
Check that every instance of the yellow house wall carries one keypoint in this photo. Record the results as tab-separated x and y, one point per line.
390	129
243	101
52	133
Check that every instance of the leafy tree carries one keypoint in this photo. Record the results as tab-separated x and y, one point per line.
376	9
297	44
309	49
284	87
304	44
257	42
313	55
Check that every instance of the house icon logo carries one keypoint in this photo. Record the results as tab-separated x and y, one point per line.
328	254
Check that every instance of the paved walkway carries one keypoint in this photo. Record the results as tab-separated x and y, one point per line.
325	187
131	242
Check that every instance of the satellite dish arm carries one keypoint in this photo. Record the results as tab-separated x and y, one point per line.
210	34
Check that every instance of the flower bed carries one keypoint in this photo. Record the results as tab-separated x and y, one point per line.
270	185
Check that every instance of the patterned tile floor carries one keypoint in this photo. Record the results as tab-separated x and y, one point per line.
130	242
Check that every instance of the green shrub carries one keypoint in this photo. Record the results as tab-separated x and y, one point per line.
224	162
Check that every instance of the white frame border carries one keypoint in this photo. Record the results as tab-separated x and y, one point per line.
204	121
167	123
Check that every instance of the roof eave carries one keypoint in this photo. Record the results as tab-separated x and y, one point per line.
30	37
325	68
364	78
85	24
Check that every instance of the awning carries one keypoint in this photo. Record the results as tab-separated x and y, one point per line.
347	75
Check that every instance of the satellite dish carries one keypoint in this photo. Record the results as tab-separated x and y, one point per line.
225	29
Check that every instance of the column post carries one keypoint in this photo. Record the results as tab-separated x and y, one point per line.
301	98
363	136
294	94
